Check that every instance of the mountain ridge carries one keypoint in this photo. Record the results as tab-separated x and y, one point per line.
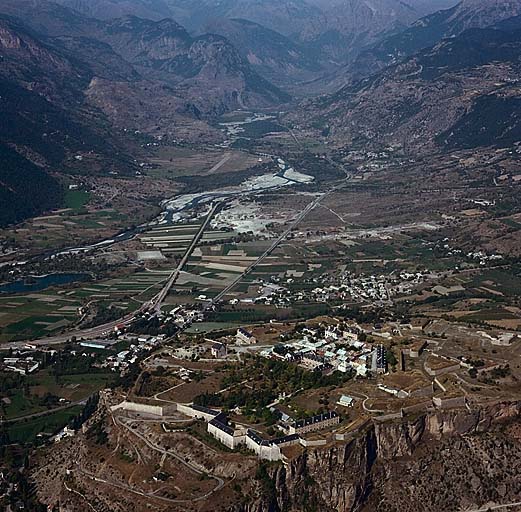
417	103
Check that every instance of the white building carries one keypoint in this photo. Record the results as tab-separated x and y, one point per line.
243	337
314	423
218	350
219	428
346	401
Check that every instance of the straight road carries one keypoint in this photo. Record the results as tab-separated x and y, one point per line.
219	164
83	401
313	204
156	302
488	508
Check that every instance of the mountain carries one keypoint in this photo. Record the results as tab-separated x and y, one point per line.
43	121
43	107
335	30
208	71
158	50
345	27
25	188
463	92
287	17
273	55
431	29
110	9
72	85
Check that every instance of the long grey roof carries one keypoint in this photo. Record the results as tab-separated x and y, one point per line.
319	418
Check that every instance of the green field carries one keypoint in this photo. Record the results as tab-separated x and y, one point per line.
76	199
73	387
26	431
507	282
36	315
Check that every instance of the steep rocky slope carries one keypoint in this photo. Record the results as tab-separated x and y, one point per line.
208	69
271	54
67	81
463	92
44	120
160	50
446	460
109	9
430	30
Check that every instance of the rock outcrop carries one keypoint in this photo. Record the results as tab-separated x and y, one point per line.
401	466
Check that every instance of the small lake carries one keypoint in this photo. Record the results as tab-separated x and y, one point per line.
36	284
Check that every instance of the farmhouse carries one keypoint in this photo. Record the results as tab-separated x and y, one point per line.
243	337
218	350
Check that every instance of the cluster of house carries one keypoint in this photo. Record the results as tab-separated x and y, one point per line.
343	287
122	360
382	287
478	256
335	349
179	316
22	364
183	317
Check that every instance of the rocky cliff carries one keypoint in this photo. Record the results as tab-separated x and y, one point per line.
446	460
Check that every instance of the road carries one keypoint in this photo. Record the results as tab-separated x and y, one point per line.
495	507
358	394
73	491
274	245
83	401
221	162
156	302
192	467
93	332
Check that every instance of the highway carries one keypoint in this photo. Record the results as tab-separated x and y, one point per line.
154	304
90	333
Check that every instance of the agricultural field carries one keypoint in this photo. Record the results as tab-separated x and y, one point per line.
66	228
26	317
32	398
171	238
213	267
102	208
76	199
27	431
36	315
171	162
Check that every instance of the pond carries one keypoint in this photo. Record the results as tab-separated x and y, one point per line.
35	284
